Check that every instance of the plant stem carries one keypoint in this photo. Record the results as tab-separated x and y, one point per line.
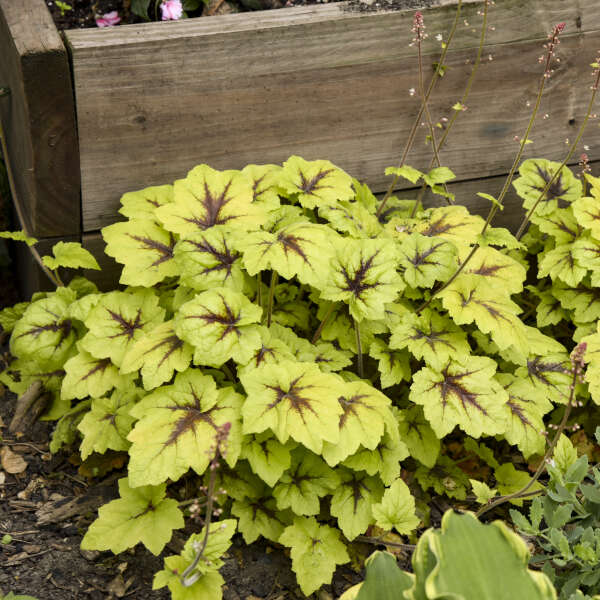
322	324
359	359
529	214
411	136
542	465
494	208
259	290
462	101
271	296
17	205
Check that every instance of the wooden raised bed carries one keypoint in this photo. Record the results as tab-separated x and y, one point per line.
96	113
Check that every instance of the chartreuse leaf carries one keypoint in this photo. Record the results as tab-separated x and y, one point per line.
219	324
535	175
268	457
525	412
461	392
418	435
498	269
118	321
592	357
396	509
362	422
565	454
499	236
438	175
265	183
44	333
260	517
339	329
144	248
444	478
209	582
561	225
394	366
315	551
238	483
352	501
179	426
586	209
273	349
467	559
300	249
426	260
88	376
207	259
10	315
315	183
108	422
584	301
158	354
483	492
352	218
141	514
413	175
430	336
293	399
364	276
206	198
66	431
384	461
142	204
548	310
468	299
307	480
561	263
18	236
452	223
509	480
549	375
70	255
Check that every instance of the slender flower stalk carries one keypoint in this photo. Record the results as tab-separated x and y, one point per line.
577	367
274	278
411	136
359	357
548	70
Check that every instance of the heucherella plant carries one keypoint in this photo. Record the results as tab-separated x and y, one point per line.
331	345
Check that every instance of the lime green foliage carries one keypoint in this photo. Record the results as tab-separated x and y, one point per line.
70	255
141	514
11	596
464	560
18	236
565	524
305	355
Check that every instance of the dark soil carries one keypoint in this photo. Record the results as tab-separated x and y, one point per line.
45	561
82	12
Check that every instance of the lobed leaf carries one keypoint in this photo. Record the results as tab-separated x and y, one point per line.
396	509
71	255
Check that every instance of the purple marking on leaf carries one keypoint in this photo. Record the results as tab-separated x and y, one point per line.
309	185
128	328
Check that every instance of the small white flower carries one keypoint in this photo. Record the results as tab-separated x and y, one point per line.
411	91
439	37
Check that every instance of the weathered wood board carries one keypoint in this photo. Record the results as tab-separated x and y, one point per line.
322	82
38	118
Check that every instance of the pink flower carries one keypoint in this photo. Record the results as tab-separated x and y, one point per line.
109	19
171	10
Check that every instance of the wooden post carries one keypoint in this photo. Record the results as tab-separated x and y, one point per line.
38	118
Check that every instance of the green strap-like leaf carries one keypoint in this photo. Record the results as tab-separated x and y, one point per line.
293	399
118	320
364	276
305	483
179	427
220	324
206	198
107	424
315	551
158	353
141	514
464	393
315	183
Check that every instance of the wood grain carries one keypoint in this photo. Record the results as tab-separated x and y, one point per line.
322	82
38	118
